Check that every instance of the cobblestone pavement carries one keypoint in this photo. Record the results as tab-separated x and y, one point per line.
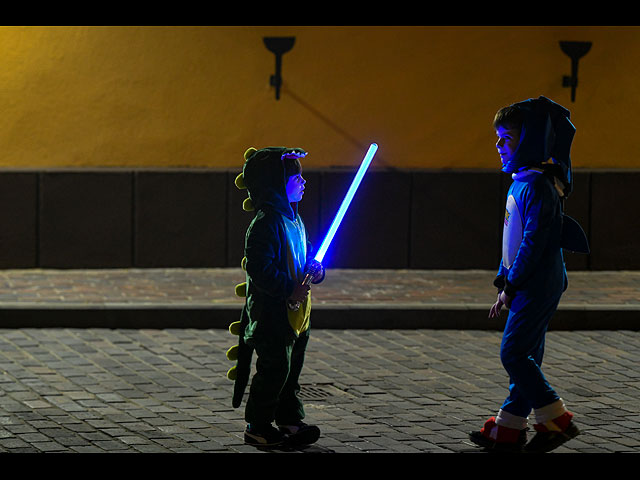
105	388
403	391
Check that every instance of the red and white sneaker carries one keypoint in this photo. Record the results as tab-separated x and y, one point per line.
499	438
553	433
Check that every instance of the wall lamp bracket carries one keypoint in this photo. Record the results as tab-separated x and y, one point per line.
575	51
278	46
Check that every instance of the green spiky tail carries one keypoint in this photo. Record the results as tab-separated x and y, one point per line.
241	353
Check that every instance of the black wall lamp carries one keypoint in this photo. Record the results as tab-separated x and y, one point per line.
575	51
279	46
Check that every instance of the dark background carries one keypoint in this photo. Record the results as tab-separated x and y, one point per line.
193	218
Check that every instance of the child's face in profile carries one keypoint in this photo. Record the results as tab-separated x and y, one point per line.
508	141
295	188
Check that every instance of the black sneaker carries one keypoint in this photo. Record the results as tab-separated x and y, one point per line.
267	436
491	445
300	433
544	442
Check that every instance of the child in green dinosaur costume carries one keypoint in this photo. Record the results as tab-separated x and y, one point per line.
277	257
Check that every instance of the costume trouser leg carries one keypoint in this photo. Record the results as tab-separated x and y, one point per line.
521	354
273	394
290	408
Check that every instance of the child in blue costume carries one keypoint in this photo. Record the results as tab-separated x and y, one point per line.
534	139
277	256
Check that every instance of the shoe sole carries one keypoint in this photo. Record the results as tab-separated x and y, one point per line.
256	441
305	437
491	446
558	438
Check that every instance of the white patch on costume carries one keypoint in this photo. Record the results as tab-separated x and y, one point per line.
511	233
296	248
296	261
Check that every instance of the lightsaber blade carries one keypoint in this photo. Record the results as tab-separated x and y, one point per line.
337	220
346	202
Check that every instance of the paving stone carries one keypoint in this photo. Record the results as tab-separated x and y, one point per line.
86	449
33	438
151	448
13	443
49	446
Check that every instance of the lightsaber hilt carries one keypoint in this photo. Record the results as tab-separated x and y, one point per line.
295	306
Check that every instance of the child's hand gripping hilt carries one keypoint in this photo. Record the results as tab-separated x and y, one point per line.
294	306
313	268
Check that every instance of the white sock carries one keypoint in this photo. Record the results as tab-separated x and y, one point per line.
510	420
549	412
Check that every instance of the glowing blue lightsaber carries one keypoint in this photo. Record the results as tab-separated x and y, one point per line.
337	220
346	202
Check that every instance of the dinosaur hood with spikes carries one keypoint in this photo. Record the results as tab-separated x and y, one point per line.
263	175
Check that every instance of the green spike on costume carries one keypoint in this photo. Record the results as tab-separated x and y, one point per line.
247	205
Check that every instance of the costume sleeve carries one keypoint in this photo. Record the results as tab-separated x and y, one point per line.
262	249
499	281
538	204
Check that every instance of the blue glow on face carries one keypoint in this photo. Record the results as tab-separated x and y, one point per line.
346	202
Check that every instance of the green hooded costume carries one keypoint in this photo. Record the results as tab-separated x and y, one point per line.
276	253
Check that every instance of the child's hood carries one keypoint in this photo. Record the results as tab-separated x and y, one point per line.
264	177
546	134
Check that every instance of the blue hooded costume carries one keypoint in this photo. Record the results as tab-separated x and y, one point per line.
532	270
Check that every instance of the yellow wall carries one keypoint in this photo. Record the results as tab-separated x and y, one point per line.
198	96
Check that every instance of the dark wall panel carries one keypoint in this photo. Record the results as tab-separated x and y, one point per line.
456	220
18	220
85	219
615	223
398	219
375	230
180	219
